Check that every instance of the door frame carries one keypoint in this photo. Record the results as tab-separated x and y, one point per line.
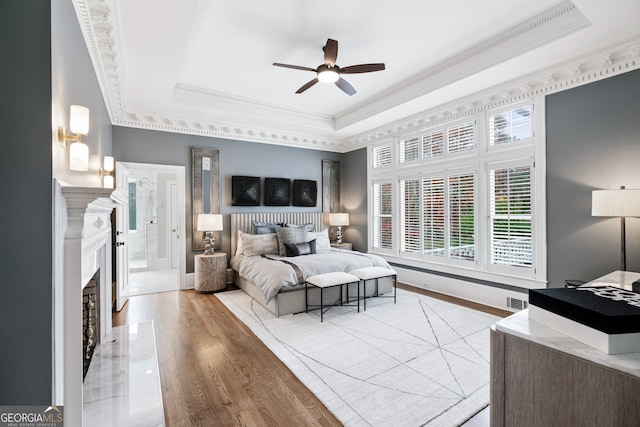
180	174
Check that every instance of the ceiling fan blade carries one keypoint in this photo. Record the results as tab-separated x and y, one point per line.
295	67
330	52
345	86
362	68
307	85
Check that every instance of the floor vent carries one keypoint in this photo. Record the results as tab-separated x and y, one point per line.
516	304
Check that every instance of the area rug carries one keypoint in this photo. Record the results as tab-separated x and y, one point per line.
421	361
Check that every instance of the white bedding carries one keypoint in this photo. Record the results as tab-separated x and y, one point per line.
271	275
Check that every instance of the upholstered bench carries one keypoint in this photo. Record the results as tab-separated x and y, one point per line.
374	273
329	280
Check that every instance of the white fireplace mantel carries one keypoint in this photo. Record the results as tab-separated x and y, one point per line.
82	239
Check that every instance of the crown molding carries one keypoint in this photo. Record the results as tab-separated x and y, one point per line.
613	60
99	27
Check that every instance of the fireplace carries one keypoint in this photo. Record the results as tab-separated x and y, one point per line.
90	320
82	264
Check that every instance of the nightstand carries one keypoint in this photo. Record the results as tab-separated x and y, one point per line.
211	272
343	245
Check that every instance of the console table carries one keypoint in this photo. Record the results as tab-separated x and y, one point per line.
540	377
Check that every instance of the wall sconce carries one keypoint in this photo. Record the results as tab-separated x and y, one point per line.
339	220
106	172
209	223
79	125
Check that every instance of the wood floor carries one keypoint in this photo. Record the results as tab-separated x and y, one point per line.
215	372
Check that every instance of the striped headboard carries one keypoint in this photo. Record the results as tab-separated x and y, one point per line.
244	222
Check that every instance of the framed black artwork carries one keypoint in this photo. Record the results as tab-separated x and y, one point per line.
305	193
245	191
276	191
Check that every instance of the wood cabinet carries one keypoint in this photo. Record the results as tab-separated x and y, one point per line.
543	378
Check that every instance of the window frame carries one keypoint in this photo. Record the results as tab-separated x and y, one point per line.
484	154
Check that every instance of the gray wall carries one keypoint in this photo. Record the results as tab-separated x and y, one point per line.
593	142
25	217
236	158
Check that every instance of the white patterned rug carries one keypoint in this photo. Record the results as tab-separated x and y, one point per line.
419	362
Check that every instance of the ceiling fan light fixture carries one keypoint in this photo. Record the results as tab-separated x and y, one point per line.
328	75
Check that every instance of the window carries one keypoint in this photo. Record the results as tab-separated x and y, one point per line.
433	215
409	149
382	215
382	156
509	126
458	198
433	144
460	138
410	215
462	216
511	231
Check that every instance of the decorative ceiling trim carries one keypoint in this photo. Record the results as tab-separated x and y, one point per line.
99	27
539	30
598	65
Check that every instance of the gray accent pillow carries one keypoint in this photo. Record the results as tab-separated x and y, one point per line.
259	244
308	227
298	249
265	227
291	235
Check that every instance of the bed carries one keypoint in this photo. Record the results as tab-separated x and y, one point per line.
276	281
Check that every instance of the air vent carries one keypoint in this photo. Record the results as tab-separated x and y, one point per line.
516	304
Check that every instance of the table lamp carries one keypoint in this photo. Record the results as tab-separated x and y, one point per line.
208	223
339	220
621	203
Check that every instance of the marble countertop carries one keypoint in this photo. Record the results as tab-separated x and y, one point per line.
520	326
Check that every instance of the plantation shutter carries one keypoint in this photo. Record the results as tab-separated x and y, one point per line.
433	144
510	215
460	138
462	216
382	156
382	216
434	215
510	126
410	215
409	149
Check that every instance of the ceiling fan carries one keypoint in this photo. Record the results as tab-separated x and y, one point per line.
329	72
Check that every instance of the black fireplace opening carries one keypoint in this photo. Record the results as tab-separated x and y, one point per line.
90	320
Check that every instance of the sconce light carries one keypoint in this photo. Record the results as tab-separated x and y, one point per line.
79	125
106	172
339	220
209	223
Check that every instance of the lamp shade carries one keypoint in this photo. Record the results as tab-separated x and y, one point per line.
108	163
209	222
79	157
339	219
79	119
619	202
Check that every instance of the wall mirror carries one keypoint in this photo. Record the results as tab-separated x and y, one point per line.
205	191
330	188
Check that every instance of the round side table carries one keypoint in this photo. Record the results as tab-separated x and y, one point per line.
211	272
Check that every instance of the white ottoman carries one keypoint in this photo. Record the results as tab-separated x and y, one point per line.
329	280
375	273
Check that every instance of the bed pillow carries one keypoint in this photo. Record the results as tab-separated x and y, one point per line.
308	226
239	248
259	244
290	235
299	249
322	240
265	227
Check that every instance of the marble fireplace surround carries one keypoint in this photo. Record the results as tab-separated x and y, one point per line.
82	247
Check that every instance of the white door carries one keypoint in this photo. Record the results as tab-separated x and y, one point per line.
174	224
122	231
